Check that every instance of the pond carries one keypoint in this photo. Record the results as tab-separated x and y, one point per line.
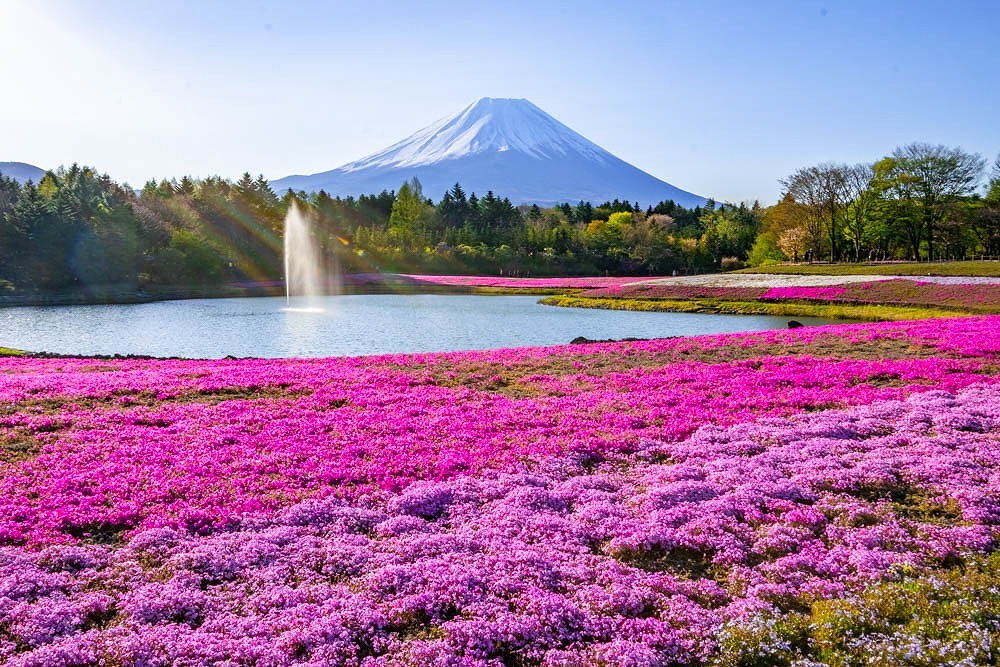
345	325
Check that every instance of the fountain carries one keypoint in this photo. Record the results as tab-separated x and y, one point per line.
308	276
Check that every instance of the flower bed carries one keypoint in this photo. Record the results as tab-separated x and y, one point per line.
679	291
415	280
975	297
582	504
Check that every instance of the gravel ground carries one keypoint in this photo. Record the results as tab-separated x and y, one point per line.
775	280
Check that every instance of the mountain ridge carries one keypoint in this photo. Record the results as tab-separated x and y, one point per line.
22	172
509	146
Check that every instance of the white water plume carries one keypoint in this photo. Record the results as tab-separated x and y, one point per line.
308	276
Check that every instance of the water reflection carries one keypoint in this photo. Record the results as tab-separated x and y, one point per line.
341	325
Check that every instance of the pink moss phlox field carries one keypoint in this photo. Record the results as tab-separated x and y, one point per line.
637	559
808	293
588	282
613	503
126	445
982	297
678	291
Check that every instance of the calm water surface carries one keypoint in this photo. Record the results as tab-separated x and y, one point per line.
346	325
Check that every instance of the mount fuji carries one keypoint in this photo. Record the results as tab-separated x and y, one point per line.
508	146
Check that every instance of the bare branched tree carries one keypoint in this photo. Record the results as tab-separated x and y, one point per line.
824	190
861	203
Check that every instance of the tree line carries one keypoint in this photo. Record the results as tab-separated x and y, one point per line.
77	229
922	202
467	233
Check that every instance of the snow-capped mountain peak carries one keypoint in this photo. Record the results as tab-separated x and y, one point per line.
489	125
508	146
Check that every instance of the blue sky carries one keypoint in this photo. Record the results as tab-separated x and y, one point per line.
719	98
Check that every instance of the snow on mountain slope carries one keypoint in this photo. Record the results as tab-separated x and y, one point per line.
508	146
487	126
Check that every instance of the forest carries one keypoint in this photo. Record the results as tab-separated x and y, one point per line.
77	229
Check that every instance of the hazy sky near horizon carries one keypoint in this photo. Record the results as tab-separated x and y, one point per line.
718	98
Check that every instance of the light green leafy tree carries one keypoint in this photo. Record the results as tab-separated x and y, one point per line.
410	216
930	180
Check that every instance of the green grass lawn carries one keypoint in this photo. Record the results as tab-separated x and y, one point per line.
969	268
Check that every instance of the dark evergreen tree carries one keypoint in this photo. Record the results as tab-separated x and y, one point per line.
186	186
454	208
